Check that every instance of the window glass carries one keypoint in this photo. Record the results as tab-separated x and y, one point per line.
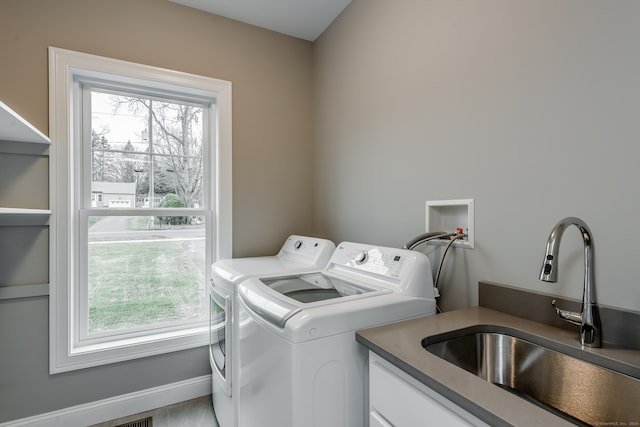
145	270
157	145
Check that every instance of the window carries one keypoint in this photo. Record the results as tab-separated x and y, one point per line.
141	202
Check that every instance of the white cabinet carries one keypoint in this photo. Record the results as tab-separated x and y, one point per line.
24	207
399	400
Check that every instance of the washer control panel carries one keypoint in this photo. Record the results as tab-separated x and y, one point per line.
396	269
310	249
361	257
384	261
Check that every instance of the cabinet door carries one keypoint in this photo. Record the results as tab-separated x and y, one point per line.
377	420
395	402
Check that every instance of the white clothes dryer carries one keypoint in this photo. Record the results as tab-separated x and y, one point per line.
298	254
300	364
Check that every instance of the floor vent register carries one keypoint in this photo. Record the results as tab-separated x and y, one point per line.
144	422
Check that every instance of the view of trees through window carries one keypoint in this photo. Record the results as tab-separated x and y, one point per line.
156	145
145	268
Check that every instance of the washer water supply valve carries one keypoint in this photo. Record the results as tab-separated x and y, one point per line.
433	235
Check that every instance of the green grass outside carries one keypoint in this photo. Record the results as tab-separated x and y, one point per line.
140	283
141	223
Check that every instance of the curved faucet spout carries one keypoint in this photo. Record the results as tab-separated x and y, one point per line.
590	328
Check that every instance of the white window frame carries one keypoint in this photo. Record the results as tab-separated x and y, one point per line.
65	66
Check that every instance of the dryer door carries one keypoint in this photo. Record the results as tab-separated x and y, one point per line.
220	339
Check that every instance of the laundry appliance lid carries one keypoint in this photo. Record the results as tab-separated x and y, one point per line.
238	269
298	254
277	299
314	287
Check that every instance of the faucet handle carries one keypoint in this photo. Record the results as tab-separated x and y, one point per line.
569	316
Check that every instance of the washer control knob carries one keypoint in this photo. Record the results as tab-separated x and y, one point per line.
361	258
297	244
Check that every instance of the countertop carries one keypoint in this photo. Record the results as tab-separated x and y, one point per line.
401	344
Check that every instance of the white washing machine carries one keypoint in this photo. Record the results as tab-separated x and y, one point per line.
300	364
298	254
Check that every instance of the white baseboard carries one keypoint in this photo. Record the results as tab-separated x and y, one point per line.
119	406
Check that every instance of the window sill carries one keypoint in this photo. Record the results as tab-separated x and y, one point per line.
87	356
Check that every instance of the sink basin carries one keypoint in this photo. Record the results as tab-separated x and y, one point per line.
575	389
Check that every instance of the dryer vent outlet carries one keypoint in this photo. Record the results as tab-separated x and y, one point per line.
144	422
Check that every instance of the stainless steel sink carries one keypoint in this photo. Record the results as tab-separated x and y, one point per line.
574	389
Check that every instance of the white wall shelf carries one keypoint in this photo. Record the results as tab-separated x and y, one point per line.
14	128
24	291
23	211
24	188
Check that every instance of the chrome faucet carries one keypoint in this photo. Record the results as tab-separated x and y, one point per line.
588	319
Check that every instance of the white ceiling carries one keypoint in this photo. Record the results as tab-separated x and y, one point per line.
305	19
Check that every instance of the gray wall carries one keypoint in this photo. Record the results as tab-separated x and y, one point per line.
528	107
272	148
27	389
